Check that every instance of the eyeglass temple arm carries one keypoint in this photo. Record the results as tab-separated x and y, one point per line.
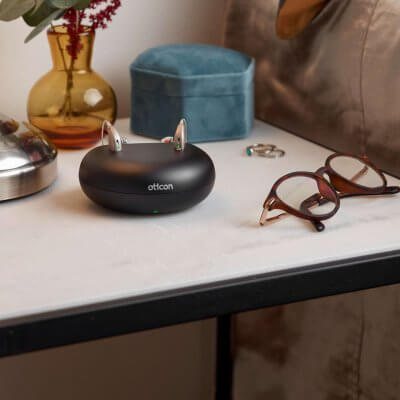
359	174
318	199
264	220
388	189
392	190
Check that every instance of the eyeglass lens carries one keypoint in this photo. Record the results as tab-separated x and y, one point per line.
302	194
356	171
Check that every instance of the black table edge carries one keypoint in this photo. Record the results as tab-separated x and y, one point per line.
198	303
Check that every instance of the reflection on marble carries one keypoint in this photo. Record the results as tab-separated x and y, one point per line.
58	250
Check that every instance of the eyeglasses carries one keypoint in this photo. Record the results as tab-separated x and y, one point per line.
317	195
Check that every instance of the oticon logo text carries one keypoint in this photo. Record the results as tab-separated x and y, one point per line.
156	187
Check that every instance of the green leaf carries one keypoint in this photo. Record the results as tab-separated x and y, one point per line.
39	13
13	9
39	3
82	4
65	4
62	4
43	25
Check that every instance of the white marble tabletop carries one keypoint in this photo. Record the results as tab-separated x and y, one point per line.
59	251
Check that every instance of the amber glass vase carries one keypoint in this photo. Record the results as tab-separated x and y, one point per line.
71	101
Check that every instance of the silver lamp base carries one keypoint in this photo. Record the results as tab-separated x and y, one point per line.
27	181
28	161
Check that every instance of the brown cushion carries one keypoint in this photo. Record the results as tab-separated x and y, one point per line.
337	83
338	348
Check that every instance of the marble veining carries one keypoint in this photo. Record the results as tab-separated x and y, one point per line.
60	251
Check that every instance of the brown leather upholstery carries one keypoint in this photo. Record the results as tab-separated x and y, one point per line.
345	347
337	82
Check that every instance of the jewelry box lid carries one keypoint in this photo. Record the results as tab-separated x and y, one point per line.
191	70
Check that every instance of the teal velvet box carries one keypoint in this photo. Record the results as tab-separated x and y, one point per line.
211	87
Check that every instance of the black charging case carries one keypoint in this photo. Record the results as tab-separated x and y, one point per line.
147	178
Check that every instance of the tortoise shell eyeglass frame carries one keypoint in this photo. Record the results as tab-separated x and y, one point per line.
336	188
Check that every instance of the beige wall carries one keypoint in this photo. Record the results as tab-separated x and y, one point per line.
139	24
173	363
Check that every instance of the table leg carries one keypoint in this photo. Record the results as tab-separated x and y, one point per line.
224	362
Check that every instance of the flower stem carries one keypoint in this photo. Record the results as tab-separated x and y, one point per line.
66	109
